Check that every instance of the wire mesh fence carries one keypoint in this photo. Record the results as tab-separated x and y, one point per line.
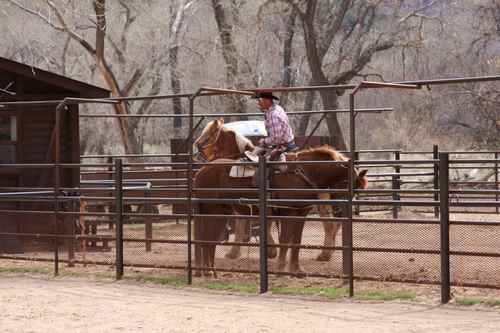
145	217
155	239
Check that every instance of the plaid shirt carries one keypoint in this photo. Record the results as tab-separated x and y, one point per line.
278	128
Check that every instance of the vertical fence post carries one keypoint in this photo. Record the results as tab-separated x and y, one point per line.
396	185
435	156
357	209
347	256
119	217
496	179
444	225
56	218
263	172
189	206
72	225
148	225
110	161
350	259
57	184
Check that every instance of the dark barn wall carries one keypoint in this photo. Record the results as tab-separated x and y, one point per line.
36	143
8	222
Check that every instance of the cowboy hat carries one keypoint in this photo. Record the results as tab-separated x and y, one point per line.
265	94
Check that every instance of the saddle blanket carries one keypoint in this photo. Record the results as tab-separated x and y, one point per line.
242	171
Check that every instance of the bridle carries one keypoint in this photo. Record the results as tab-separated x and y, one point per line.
207	144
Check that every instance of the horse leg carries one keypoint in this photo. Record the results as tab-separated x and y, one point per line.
211	259
272	252
284	238
207	232
198	258
198	250
84	228
214	231
331	230
241	234
325	211
298	228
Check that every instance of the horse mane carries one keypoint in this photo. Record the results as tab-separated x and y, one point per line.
209	126
324	150
241	141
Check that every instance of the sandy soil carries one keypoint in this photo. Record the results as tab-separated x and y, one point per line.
33	304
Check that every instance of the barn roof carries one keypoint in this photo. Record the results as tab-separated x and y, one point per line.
64	83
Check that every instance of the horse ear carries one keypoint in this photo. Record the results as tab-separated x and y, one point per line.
221	121
362	173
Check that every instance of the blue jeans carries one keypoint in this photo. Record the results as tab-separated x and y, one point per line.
291	146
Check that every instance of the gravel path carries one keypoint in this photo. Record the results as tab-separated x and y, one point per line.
36	304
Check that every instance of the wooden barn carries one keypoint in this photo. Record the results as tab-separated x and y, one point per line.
27	137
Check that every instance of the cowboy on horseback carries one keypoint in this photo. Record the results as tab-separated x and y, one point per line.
280	136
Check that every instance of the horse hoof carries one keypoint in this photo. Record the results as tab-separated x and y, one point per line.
233	255
272	253
324	257
298	273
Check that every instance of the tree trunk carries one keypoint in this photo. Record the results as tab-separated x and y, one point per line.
304	120
229	53
130	143
330	102
287	55
315	60
176	86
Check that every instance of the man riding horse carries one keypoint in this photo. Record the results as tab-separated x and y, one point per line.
218	142
279	132
280	138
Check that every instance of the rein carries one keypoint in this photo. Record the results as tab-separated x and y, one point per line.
301	174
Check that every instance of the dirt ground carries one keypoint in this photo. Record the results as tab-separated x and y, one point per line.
377	265
369	264
35	304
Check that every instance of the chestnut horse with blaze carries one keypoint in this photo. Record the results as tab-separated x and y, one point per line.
216	175
217	141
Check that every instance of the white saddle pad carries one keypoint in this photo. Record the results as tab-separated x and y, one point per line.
242	171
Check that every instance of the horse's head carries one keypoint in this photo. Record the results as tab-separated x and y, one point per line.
216	141
204	147
360	179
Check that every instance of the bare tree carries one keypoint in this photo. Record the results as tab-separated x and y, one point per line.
114	54
341	38
290	26
229	52
483	117
96	50
178	15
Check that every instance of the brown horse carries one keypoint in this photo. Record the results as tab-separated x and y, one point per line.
215	142
216	175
